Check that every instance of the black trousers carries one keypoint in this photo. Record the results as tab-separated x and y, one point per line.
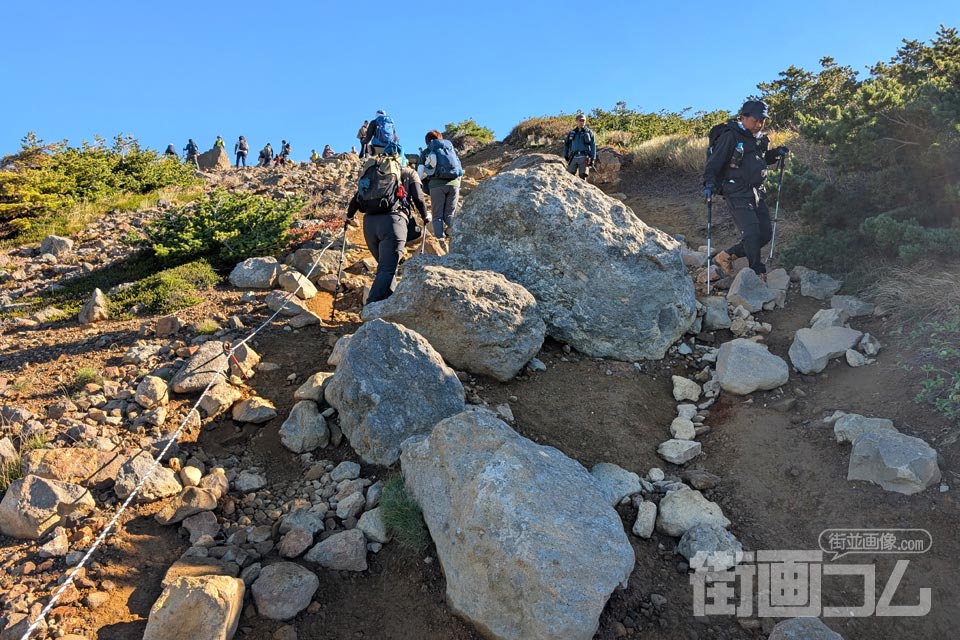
385	235
752	217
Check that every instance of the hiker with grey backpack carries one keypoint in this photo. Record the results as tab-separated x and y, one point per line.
440	167
737	160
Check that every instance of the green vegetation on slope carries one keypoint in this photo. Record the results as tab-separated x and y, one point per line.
45	187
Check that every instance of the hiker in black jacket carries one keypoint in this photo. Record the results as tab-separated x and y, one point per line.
736	169
580	148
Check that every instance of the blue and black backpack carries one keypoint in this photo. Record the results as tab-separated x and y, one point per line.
448	164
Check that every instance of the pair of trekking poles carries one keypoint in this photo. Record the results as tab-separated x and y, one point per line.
776	216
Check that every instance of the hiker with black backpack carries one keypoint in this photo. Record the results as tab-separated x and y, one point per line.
441	168
737	159
191	152
380	196
580	148
381	135
241	149
284	154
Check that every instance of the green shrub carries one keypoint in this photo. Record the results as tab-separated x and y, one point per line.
85	376
937	343
468	128
42	182
402	516
10	472
224	227
636	125
167	291
206	327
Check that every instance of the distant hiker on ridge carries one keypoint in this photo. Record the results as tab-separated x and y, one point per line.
361	136
284	152
314	156
442	169
218	143
328	152
241	149
171	151
736	168
266	156
192	151
580	148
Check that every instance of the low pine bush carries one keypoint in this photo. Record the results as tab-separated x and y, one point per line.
224	228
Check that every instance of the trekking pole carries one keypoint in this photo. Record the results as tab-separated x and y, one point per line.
709	240
343	250
776	209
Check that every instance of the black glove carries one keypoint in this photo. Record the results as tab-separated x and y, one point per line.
708	190
781	151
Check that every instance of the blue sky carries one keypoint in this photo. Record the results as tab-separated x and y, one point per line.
311	72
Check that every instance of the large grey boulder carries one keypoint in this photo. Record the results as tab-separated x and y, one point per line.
255	273
679	511
812	349
390	384
205	607
32	506
750	292
851	426
895	461
477	320
744	366
283	590
605	283
529	546
814	284
803	629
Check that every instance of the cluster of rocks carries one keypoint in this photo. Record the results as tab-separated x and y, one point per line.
31	270
882	455
829	336
328	184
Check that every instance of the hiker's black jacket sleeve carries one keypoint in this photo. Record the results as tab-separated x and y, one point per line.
722	150
353	207
415	193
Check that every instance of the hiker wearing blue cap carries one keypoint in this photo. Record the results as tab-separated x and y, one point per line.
737	160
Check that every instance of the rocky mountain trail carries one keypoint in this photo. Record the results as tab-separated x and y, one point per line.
267	508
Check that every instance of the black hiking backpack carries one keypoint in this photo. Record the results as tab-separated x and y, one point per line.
712	137
379	188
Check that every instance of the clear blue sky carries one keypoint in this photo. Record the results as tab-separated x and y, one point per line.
312	71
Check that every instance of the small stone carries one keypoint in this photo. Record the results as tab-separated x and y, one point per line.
646	519
685	389
679	451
